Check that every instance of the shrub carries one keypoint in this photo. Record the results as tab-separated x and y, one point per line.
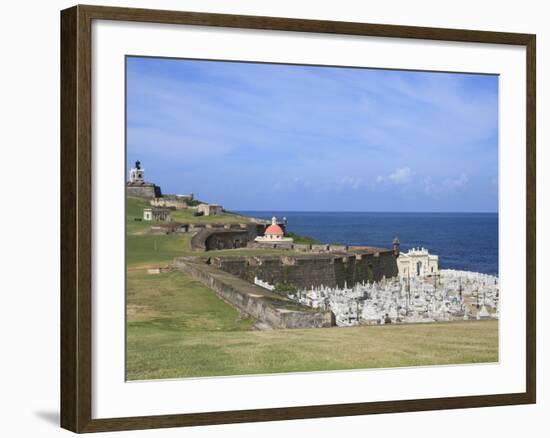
302	239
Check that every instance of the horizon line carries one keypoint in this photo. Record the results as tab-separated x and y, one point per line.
365	211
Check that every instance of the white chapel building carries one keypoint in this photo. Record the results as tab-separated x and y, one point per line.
417	262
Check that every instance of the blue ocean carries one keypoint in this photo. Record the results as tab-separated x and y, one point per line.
465	241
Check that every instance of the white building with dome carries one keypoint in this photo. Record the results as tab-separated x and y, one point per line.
274	234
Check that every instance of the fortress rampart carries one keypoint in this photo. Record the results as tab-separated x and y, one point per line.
270	309
178	202
303	272
145	190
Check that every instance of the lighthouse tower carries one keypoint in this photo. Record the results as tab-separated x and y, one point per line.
137	174
137	187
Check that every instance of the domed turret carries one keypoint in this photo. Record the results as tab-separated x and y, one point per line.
274	229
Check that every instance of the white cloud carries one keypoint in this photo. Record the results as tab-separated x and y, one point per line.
448	185
457	183
429	187
351	182
401	175
293	183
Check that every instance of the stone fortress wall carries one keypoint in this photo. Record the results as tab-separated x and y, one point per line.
271	310
222	239
146	191
330	270
230	236
177	202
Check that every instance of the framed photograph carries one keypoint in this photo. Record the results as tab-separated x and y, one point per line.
270	218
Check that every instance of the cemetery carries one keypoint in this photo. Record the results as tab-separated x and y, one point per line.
452	295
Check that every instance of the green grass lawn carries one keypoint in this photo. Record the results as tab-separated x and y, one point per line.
174	301
177	327
156	250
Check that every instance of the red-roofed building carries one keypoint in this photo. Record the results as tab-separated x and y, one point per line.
274	229
274	234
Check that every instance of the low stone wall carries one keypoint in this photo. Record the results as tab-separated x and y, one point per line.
312	270
315	248
271	309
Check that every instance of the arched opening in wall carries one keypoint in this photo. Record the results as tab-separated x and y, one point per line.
237	243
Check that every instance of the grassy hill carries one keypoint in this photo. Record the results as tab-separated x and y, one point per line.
305	240
144	249
177	327
134	212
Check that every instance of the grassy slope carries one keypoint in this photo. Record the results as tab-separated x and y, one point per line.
177	327
306	240
146	249
171	301
135	206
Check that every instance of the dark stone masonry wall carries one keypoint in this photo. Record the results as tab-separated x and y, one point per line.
147	191
228	239
314	270
224	237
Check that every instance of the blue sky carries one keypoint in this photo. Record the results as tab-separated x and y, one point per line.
282	137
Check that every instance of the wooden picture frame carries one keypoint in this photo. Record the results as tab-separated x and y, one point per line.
76	217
